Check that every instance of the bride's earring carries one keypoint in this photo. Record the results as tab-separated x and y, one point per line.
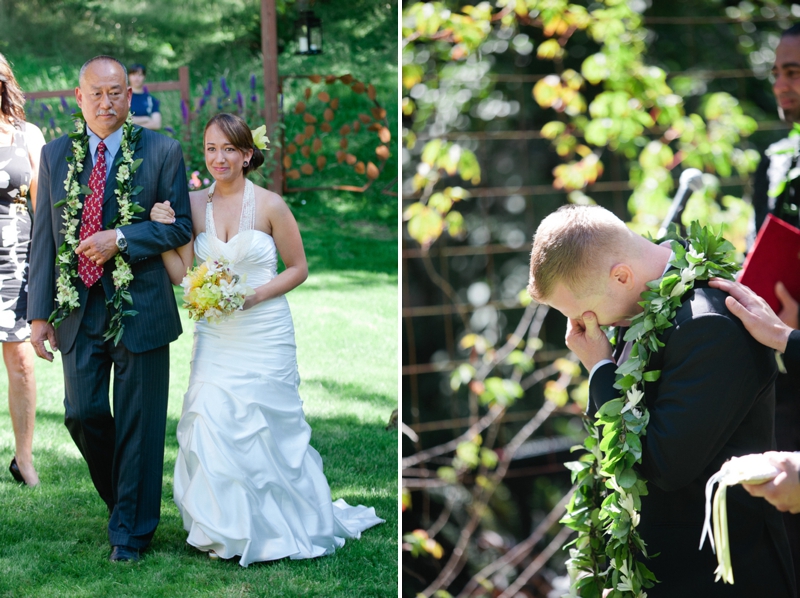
245	164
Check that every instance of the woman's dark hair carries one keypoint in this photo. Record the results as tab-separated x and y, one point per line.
137	68
238	134
13	100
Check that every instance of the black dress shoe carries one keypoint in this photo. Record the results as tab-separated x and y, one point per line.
120	554
15	472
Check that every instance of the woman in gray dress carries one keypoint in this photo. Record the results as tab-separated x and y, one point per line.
20	145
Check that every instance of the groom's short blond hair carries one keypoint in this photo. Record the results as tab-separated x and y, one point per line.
575	245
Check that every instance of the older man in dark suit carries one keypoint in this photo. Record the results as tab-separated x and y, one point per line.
124	452
714	400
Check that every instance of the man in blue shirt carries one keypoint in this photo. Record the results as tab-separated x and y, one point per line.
144	107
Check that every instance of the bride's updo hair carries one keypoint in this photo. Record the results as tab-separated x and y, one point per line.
238	134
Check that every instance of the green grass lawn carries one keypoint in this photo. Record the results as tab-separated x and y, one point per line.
53	539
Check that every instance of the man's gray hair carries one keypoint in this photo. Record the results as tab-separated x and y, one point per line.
103	58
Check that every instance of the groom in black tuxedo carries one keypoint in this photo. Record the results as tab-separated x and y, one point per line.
124	452
715	399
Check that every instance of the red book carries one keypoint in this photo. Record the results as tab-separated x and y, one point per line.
775	256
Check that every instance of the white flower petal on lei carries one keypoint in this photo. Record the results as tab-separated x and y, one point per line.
677	290
694	254
688	275
4	179
634	397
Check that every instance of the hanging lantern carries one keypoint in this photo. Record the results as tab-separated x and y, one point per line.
308	31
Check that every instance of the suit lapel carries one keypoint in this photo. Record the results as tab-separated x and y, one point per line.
110	208
111	181
86	173
83	180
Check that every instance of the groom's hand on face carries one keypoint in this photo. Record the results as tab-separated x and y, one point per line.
586	339
100	247
42	331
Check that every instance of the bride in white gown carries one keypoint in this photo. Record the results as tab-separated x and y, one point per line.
247	482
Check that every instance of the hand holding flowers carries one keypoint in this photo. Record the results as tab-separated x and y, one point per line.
212	290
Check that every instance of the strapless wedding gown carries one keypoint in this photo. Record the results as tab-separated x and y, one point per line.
247	482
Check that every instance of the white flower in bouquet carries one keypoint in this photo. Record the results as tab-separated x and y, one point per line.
213	291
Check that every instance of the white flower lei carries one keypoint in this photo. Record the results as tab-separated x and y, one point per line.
66	258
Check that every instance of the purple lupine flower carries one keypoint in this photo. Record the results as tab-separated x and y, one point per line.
185	112
253	82
64	103
144	88
224	86
52	123
254	98
42	110
239	100
169	130
209	88
202	102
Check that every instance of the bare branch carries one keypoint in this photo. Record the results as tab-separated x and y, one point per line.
534	316
456	562
511	343
436	451
441	520
420	483
446	288
537	563
516	554
538	376
409	432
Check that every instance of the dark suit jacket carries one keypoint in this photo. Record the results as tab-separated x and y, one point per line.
163	176
714	400
792	355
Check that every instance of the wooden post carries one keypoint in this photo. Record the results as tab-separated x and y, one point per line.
269	51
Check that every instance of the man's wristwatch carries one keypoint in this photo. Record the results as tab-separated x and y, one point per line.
122	242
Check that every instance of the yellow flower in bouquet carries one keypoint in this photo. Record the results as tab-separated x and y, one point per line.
212	290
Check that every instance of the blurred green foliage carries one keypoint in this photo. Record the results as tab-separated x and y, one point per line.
47	41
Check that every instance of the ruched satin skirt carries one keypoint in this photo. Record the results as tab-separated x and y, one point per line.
247	482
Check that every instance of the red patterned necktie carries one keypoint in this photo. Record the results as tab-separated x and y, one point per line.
92	218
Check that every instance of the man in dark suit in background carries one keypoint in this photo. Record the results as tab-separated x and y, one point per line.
772	172
714	399
125	453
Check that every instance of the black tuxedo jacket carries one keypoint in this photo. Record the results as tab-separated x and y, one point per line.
792	355
163	176
714	400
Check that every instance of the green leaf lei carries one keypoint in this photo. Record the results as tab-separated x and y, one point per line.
66	258
604	509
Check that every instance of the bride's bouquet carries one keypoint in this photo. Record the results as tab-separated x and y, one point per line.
212	290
